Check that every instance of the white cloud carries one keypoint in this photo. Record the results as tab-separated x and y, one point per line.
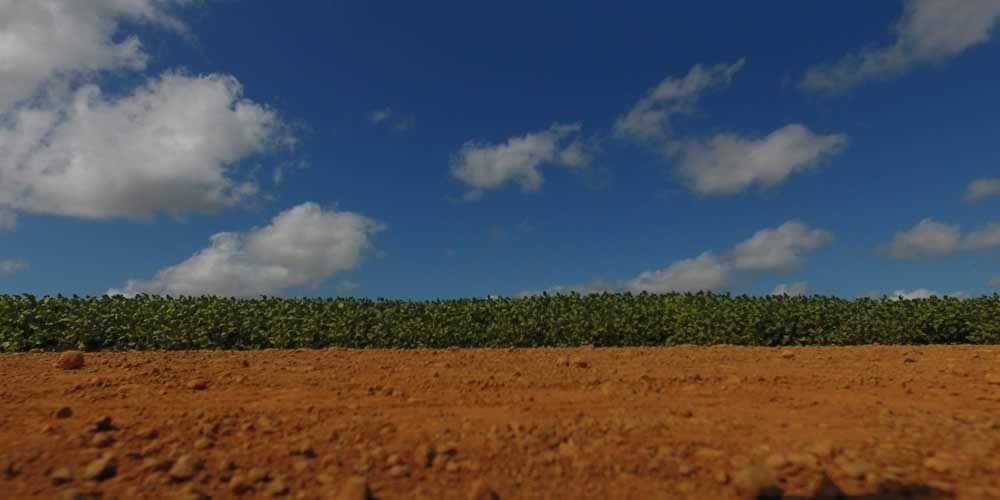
791	289
704	272
980	189
923	293
729	163
927	239
930	31
649	119
8	266
8	219
934	239
483	166
42	41
302	246
166	146
986	237
777	249
67	148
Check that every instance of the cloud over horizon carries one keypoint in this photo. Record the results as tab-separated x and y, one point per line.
930	238
775	250
302	246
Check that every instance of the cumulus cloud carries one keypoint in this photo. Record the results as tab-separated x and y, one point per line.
791	289
930	31
68	148
167	146
482	166
649	119
777	250
46	40
986	237
704	272
729	163
8	266
302	246
981	189
935	239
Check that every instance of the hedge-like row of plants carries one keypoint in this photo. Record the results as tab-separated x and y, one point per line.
149	322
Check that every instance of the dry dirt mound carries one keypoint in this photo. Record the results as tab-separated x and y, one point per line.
686	422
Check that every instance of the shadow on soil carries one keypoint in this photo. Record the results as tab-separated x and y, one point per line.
889	490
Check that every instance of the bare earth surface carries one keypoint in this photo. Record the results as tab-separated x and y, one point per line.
685	422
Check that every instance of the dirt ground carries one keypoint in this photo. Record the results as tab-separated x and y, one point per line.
684	422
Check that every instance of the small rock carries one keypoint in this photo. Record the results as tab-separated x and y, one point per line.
400	470
803	460
482	491
823	488
103	468
856	470
75	494
157	464
255	475
70	360
184	468
786	354
238	484
938	464
992	378
63	412
197	385
823	448
60	475
148	434
355	488
305	449
102	440
278	488
757	482
580	362
103	424
423	456
562	361
775	461
203	443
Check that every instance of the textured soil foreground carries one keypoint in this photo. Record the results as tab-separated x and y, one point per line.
686	422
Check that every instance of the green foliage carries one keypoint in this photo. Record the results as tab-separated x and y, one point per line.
167	323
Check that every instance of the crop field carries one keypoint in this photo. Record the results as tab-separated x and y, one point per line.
687	396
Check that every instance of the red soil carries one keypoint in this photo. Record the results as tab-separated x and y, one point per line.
686	422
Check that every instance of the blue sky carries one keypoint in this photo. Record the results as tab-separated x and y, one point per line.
461	149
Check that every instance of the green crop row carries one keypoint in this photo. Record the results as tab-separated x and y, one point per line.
150	322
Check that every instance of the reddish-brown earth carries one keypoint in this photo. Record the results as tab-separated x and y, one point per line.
686	422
